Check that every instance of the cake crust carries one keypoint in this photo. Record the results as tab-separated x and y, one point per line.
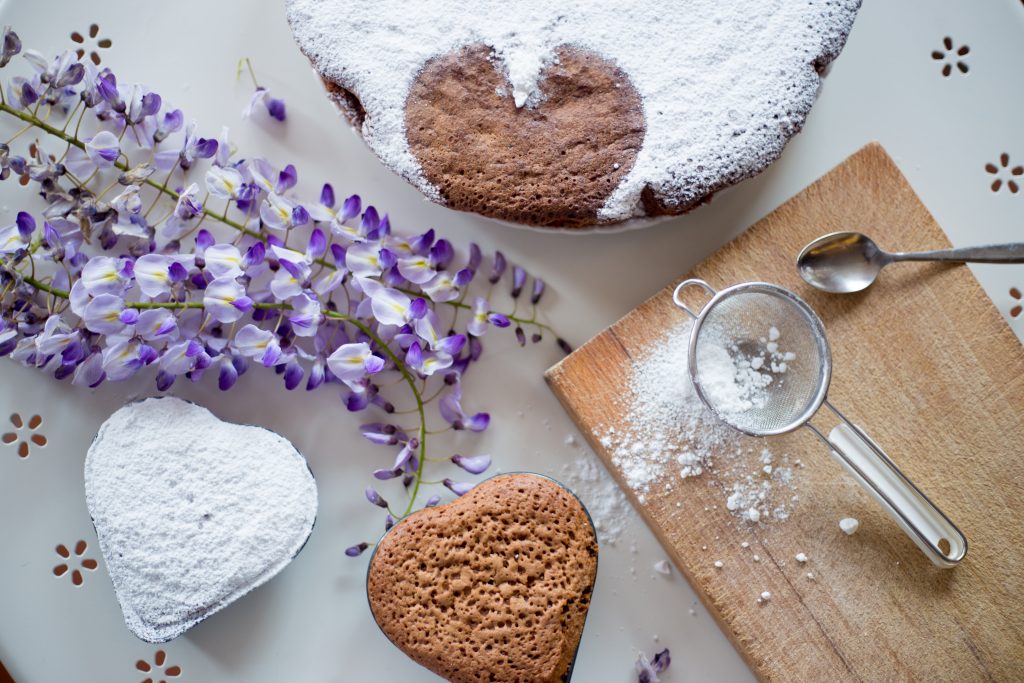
494	586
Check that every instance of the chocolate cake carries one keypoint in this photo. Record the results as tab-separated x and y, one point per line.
573	113
494	586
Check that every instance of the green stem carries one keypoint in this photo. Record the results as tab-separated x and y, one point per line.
401	367
172	305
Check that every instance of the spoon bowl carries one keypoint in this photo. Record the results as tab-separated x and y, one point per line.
841	262
844	262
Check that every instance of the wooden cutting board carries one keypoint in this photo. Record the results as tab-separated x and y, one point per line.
926	364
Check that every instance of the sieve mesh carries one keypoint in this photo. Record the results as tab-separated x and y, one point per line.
737	323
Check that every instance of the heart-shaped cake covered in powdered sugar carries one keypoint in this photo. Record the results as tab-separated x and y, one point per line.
494	586
573	113
191	512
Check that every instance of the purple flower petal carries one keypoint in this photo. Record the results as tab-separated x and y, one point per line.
497	267
375	498
356	550
275	108
317	244
476	464
459	488
293	375
227	376
26	225
384	475
538	290
351	207
478	422
327	196
518	280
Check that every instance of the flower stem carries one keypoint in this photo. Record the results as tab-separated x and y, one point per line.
401	367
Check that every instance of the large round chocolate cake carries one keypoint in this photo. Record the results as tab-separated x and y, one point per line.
573	113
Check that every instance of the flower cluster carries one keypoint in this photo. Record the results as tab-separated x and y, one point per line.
161	251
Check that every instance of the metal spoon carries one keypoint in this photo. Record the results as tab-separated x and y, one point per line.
844	262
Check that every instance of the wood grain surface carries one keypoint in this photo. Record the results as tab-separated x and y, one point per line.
926	364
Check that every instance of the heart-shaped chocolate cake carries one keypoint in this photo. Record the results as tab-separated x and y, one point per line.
191	512
494	586
573	113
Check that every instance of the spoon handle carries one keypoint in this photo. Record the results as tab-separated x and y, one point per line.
986	253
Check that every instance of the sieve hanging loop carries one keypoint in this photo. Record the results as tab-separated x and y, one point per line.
692	282
733	322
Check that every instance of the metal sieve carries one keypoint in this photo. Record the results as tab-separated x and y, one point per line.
734	322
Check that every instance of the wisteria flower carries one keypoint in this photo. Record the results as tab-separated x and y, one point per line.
103	314
157	325
459	488
351	362
304	315
103	149
225	300
426	363
261	97
280	213
224	182
450	406
223	260
105	275
186	209
647	671
122	360
442	287
254	342
293	274
475	464
156	273
389	306
482	316
17	235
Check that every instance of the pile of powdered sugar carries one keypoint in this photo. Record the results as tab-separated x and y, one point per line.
191	512
668	435
724	84
736	381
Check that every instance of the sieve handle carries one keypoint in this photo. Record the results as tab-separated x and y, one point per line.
692	282
916	514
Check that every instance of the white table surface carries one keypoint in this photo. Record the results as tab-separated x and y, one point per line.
312	623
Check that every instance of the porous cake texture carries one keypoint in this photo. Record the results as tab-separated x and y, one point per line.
494	586
192	513
590	112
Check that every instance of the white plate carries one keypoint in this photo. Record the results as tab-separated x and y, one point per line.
311	623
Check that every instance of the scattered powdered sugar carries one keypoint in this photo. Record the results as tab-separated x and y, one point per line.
740	79
849	525
668	435
191	512
602	497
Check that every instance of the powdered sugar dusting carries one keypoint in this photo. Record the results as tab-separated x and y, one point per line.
191	512
668	434
741	79
602	497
